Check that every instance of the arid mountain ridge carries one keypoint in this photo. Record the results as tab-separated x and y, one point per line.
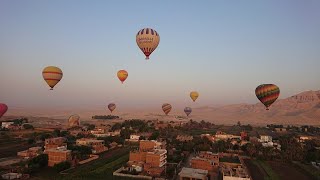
300	109
303	108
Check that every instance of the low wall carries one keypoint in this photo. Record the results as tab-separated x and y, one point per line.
92	157
117	173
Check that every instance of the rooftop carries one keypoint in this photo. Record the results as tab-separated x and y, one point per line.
234	172
90	140
158	151
230	159
57	150
194	173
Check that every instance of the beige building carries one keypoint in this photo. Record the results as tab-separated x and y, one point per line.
97	145
184	138
234	173
150	157
54	143
193	174
30	153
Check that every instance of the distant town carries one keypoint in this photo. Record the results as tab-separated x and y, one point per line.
183	149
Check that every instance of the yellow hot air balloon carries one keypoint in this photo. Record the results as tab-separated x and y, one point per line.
148	40
52	75
194	95
122	75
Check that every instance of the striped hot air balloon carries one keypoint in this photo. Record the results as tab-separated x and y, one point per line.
187	110
148	40
194	95
52	75
166	108
3	109
122	75
74	120
267	94
111	107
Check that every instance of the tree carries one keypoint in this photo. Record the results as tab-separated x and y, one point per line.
30	141
62	166
125	133
291	149
56	133
116	126
37	163
91	127
239	124
154	135
81	152
27	126
251	150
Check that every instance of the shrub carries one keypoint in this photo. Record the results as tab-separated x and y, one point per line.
62	166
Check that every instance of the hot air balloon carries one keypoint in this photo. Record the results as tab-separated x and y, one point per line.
74	120
111	107
166	108
267	94
187	110
194	95
147	40
3	109
52	75
122	75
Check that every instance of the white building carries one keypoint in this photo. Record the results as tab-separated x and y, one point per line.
11	176
265	138
134	137
6	124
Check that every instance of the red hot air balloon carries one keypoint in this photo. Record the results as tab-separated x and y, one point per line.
3	109
111	107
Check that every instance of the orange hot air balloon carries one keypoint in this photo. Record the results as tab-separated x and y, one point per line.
122	75
3	109
194	95
148	40
166	108
52	75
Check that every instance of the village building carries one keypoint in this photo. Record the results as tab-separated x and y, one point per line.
30	153
193	174
96	145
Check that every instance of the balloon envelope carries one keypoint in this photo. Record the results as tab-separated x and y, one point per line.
3	109
74	120
166	108
267	94
122	75
194	95
52	75
148	40
111	107
187	110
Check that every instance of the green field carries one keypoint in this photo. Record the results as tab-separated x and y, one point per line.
100	169
271	175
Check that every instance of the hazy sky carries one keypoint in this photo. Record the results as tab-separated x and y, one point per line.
222	49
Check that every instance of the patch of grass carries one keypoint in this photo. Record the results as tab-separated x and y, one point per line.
271	174
308	168
100	169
